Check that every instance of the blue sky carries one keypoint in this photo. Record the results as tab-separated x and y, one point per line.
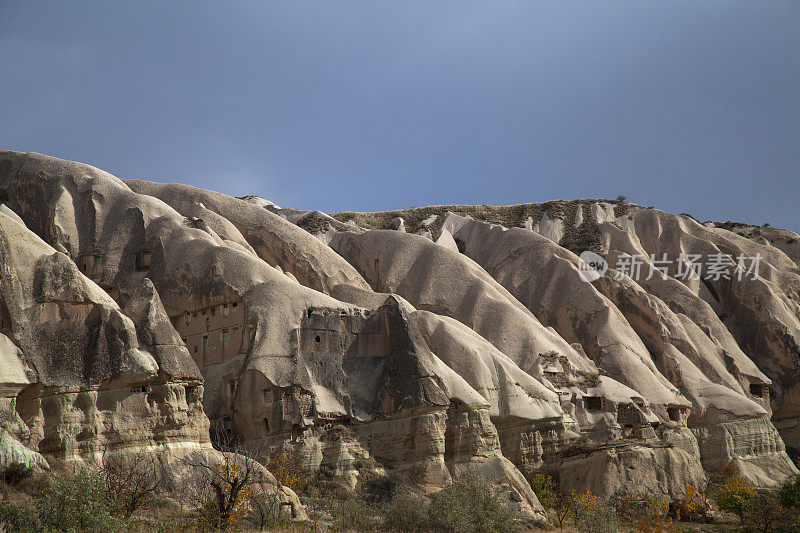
690	106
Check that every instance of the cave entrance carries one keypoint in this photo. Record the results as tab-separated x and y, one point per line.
593	403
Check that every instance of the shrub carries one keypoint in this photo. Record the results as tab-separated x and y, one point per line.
406	512
648	515
735	496
353	514
764	513
379	488
70	503
692	505
266	512
19	518
174	524
599	519
468	505
16	473
220	492
563	505
545	489
571	505
447	512
789	493
286	465
325	485
131	480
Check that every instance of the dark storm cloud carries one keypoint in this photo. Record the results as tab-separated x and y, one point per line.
688	106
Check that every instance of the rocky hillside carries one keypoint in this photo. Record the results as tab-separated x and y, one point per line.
426	342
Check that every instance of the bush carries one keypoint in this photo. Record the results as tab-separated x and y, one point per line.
598	519
131	481
286	465
379	488
735	496
648	515
19	518
789	493
406	512
468	505
266	512
174	524
692	505
583	508
325	485
764	513
16	473
353	514
545	489
78	503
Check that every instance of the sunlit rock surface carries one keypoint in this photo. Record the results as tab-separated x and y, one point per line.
426	342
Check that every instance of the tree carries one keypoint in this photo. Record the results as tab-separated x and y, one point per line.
131	480
70	502
735	496
765	514
582	507
647	515
405	512
563	505
545	488
468	505
692	505
221	489
266	511
789	493
286	465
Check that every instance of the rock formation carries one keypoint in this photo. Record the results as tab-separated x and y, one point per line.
431	341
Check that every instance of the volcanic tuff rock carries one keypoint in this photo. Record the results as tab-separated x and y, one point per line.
284	363
432	340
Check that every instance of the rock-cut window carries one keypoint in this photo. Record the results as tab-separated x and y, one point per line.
593	403
143	258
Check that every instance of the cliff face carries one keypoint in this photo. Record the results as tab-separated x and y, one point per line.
134	312
78	380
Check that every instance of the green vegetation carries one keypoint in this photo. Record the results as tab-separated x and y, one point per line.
586	236
752	510
735	496
314	223
102	501
468	505
510	216
79	503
